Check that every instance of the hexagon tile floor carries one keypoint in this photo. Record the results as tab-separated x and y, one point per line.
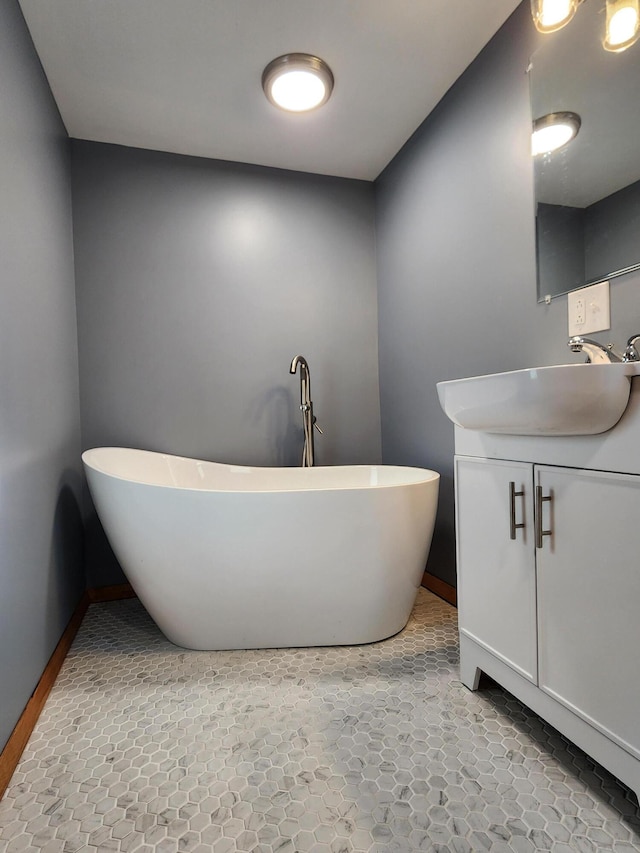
144	746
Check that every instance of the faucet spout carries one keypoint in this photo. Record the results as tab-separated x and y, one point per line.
299	360
631	352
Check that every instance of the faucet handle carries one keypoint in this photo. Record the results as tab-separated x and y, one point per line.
315	423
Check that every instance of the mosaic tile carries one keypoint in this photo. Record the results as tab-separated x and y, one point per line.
146	747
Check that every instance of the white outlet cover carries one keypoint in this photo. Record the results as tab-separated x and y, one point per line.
591	304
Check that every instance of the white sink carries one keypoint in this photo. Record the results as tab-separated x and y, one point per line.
565	399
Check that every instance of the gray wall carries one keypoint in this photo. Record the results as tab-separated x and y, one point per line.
456	263
197	282
40	534
576	244
560	248
612	232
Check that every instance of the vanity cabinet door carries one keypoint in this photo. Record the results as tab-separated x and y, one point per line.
589	598
496	573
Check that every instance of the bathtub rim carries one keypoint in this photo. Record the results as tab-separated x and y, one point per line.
431	476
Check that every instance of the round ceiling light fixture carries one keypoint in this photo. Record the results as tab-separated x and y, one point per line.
553	131
552	15
623	24
297	82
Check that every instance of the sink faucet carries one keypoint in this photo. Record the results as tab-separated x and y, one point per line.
597	353
631	352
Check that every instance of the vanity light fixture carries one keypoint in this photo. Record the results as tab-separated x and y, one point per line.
552	15
623	24
553	131
297	82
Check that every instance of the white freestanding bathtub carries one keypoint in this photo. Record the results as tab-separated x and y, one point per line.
232	557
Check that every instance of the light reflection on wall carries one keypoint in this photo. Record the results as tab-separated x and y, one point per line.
246	227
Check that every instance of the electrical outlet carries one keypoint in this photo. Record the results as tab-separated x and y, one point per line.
576	311
589	310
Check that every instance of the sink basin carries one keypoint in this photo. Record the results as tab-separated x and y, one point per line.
565	399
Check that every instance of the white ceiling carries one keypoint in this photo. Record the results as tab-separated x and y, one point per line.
184	75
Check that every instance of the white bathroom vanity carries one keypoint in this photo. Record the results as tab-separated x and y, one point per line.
548	543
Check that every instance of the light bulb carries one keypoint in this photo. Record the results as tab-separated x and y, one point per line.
550	138
552	15
297	91
623	24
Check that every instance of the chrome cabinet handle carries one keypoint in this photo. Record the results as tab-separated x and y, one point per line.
540	531
512	510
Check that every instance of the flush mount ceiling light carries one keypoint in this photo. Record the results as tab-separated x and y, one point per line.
552	15
623	24
297	82
554	130
622	27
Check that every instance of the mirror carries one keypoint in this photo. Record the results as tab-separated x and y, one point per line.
588	192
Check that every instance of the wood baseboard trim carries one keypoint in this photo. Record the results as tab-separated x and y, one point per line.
10	755
440	588
110	593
